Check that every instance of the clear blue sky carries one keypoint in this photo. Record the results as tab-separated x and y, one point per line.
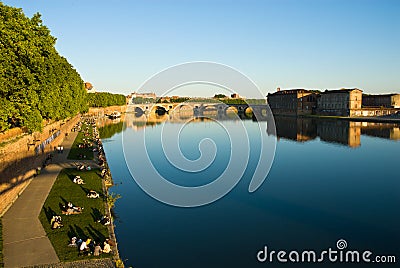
117	45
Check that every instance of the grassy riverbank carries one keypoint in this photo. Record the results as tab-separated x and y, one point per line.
75	150
82	225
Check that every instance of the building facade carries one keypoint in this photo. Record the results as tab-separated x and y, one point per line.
148	95
384	100
342	102
235	96
292	102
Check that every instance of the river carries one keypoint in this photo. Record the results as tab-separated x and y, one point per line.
329	180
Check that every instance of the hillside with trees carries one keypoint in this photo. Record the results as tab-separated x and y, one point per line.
36	83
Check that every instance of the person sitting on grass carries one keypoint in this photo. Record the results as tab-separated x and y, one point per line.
71	209
97	250
104	220
107	247
84	247
92	194
73	242
78	180
56	222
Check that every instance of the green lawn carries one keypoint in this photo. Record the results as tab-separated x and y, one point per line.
83	225
75	150
1	244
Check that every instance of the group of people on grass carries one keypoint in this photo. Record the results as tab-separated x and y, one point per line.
89	246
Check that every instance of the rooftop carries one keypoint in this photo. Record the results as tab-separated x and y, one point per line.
380	95
342	90
289	91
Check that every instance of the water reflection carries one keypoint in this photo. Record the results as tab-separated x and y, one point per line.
283	214
343	132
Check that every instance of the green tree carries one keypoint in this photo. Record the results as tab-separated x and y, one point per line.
36	83
105	99
219	96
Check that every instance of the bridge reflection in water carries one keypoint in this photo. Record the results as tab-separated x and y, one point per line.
331	130
340	132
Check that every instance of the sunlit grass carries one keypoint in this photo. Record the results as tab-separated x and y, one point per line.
76	151
82	225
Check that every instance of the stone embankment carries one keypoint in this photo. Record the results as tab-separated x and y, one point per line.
21	153
101	112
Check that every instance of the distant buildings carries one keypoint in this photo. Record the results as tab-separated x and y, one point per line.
386	100
235	96
148	95
292	102
342	102
136	97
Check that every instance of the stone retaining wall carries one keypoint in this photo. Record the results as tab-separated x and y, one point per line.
18	159
100	112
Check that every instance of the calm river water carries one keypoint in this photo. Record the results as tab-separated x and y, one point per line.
330	180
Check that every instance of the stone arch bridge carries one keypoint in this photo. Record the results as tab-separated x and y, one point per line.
260	111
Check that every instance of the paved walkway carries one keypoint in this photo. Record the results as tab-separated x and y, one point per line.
24	240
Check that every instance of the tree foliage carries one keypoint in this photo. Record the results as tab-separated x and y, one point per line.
219	96
141	100
105	99
36	83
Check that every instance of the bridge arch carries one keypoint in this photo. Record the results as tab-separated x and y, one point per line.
160	109
138	110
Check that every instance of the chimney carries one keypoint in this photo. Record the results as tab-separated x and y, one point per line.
278	89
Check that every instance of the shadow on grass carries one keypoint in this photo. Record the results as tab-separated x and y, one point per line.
86	190
80	232
71	177
49	213
96	214
95	234
64	200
